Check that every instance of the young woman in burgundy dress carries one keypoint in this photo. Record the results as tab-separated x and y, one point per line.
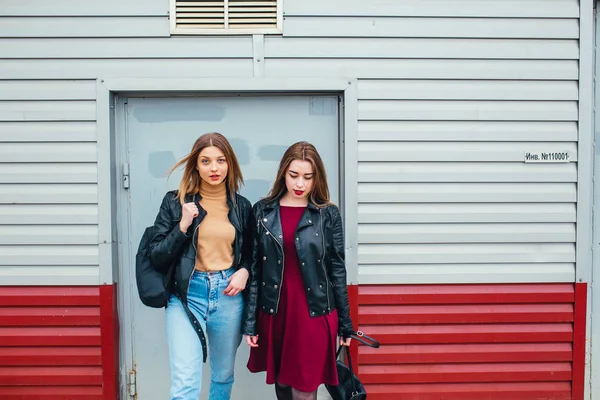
297	304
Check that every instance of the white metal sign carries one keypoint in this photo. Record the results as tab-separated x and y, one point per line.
549	157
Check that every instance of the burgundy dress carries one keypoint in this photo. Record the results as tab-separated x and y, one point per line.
294	348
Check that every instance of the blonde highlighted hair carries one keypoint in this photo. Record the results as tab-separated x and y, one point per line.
191	180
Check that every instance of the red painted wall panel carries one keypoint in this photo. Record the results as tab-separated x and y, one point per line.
54	343
470	342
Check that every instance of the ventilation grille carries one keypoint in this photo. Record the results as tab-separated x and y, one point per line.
227	15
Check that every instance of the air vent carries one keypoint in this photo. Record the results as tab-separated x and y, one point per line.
228	16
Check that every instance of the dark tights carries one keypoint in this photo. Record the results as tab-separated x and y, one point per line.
286	392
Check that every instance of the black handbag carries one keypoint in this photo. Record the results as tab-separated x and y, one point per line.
349	387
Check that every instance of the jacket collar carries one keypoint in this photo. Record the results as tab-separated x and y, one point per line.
233	214
272	217
275	204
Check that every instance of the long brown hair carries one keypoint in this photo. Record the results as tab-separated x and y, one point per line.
303	151
190	182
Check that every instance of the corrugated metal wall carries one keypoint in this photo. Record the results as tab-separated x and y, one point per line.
48	176
469	342
452	94
51	344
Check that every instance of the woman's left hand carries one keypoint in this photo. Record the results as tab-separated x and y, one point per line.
237	282
345	342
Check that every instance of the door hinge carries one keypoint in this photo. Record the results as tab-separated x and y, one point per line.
132	386
125	176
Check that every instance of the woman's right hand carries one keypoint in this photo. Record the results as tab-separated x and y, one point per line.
189	211
252	340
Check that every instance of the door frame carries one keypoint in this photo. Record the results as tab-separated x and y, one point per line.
111	122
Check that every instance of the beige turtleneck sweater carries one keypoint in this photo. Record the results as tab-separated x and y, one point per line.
216	235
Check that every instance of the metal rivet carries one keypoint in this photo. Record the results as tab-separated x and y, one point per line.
275	286
320	286
264	258
267	233
297	238
265	220
278	261
280	236
318	260
264	284
271	310
309	221
313	313
309	289
303	264
317	234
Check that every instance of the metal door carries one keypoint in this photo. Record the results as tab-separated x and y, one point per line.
158	132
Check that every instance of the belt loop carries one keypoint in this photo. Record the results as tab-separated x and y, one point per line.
224	274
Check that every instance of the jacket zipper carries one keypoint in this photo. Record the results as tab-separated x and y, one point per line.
282	266
195	244
323	260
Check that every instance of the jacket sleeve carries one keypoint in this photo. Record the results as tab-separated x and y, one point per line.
249	320
337	274
168	241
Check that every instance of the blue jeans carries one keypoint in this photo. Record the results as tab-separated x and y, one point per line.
221	320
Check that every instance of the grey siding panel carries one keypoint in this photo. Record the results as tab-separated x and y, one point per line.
432	27
422	68
371	233
123	68
277	47
48	234
436	8
15	275
466	192
457	151
49	193
466	253
48	172
467	90
46	152
465	131
48	214
51	255
465	110
57	8
48	182
47	111
43	27
57	131
460	273
465	172
80	48
443	212
47	90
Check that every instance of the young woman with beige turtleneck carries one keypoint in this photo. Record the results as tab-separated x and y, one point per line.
215	233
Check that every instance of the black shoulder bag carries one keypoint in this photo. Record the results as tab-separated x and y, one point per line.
350	387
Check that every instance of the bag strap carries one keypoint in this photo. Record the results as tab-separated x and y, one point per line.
354	388
364	339
197	327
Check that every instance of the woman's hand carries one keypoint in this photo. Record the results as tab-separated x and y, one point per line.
189	211
237	282
345	342
252	341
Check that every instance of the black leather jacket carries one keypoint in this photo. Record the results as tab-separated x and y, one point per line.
320	248
171	245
